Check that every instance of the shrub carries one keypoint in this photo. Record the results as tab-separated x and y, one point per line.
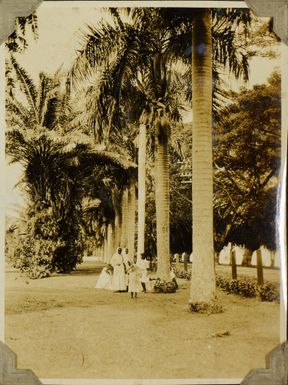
268	292
212	307
47	248
182	274
165	286
34	257
247	287
66	258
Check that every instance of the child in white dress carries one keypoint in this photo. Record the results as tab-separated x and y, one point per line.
105	278
134	280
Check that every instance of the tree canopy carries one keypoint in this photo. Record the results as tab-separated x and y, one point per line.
247	164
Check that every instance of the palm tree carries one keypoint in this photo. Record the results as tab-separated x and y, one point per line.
141	145
55	168
203	285
136	63
175	26
17	41
57	180
44	106
221	35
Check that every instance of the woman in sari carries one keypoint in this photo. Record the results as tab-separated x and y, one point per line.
118	278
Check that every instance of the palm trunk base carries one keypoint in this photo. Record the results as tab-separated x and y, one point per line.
212	307
162	286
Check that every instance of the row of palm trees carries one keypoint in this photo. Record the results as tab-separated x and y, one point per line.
138	60
136	72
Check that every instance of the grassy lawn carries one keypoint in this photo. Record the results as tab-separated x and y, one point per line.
61	327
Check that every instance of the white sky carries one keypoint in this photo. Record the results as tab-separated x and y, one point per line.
59	25
59	38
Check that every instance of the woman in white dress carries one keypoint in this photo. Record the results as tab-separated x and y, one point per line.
118	277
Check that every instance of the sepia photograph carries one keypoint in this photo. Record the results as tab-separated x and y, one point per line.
143	192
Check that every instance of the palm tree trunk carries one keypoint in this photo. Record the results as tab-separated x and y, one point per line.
203	275
162	196
141	191
106	260
110	242
102	251
124	203
117	228
131	220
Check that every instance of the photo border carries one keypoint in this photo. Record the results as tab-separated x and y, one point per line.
276	372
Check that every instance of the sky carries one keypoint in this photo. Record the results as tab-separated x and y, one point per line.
60	37
59	27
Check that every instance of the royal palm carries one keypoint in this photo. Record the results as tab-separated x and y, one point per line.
138	84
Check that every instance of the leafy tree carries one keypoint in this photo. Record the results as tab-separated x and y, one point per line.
247	160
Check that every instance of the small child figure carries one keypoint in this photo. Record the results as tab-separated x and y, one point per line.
134	283
105	278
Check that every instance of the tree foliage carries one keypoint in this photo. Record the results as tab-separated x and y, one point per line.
247	161
57	174
17	41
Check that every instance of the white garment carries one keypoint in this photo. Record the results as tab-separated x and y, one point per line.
143	265
118	277
126	260
104	280
134	283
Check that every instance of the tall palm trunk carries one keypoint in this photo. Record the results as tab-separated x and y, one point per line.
117	228
124	230
131	220
141	191
203	274
110	242
162	199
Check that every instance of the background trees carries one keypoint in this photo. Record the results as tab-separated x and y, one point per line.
135	70
247	160
57	171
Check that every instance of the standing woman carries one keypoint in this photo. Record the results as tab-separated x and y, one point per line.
118	278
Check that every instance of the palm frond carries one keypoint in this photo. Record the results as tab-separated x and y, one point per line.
97	42
27	86
16	111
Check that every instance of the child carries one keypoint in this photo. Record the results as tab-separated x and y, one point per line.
144	265
105	278
134	283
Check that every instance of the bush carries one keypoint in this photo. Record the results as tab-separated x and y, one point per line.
48	245
66	258
248	287
165	286
212	307
268	292
34	257
182	274
244	287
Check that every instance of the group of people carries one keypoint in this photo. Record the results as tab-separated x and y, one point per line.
123	275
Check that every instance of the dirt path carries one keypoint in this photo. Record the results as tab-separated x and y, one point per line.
61	327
